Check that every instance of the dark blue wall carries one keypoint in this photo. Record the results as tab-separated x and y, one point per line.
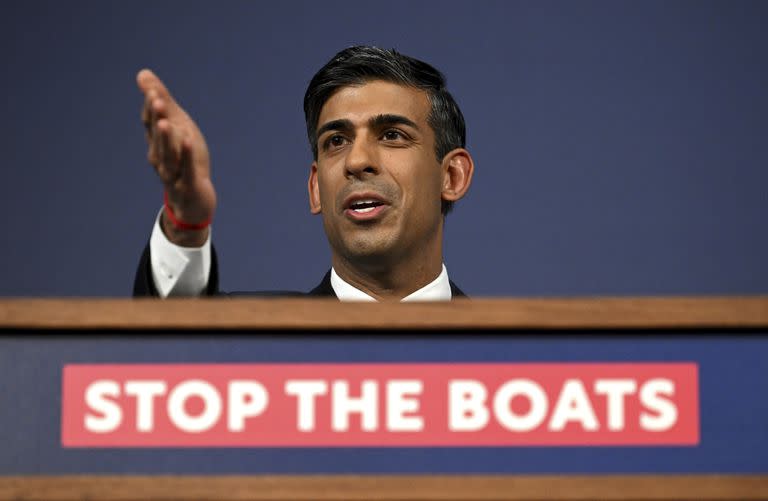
621	147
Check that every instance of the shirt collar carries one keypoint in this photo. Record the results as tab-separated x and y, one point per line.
438	289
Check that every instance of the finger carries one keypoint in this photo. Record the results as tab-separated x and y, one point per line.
154	109
165	169
150	114
146	109
154	154
149	82
170	141
169	150
186	160
150	132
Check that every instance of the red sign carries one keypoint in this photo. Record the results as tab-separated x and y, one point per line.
380	405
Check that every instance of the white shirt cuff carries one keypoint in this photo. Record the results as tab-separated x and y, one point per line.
178	271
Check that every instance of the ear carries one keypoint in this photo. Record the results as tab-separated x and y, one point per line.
314	190
457	167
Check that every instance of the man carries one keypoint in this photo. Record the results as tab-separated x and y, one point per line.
389	161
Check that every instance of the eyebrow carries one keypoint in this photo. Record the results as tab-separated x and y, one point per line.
374	122
389	119
341	124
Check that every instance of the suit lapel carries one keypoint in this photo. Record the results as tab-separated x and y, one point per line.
455	291
324	288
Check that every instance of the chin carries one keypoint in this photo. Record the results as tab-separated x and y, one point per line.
370	249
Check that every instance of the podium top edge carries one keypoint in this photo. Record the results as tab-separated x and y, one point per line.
322	314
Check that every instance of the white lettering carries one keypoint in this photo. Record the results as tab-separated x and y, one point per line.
344	405
398	404
305	391
466	405
573	405
502	407
111	414
247	398
666	410
145	392
211	406
615	390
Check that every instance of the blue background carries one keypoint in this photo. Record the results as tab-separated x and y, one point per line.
732	379
620	146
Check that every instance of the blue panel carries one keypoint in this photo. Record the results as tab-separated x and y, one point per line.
733	379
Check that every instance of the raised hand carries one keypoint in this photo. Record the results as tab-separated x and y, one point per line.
179	154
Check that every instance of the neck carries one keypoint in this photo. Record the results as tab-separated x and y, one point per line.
395	278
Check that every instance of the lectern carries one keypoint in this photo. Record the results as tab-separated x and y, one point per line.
485	399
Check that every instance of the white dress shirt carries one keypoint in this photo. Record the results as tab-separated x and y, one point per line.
184	271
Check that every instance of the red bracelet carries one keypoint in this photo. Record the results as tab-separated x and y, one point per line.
181	224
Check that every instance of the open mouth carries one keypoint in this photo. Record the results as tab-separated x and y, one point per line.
365	206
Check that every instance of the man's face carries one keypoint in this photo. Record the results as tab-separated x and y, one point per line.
376	179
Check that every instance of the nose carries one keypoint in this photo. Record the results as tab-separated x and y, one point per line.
361	161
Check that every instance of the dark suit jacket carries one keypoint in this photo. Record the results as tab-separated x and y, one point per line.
144	285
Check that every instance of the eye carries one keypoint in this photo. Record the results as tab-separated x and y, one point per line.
334	141
393	135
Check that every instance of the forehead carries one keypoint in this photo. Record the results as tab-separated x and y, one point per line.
360	102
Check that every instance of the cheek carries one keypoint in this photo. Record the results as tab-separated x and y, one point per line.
323	189
422	190
417	169
428	181
325	186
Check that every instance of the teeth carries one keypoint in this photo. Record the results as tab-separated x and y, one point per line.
364	205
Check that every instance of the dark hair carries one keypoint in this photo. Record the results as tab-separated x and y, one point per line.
361	64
